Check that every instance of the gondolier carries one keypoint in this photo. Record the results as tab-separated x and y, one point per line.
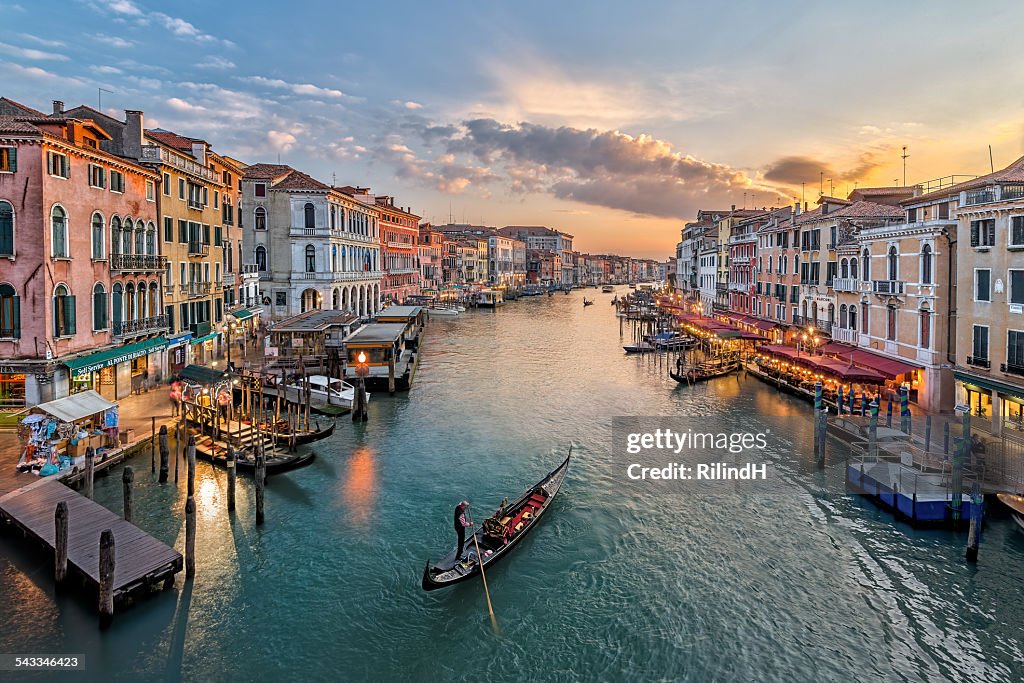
460	527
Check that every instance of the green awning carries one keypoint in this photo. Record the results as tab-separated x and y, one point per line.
208	337
122	354
989	383
202	374
243	314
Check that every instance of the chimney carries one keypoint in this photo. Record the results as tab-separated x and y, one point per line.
58	108
733	207
131	138
796	208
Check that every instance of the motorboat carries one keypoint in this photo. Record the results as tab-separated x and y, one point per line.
324	392
442	312
607	289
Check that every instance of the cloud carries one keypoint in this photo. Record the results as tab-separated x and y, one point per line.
114	41
793	170
129	10
30	53
43	41
179	104
280	140
105	69
307	89
216	62
412	105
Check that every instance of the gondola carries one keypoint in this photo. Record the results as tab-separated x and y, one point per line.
303	437
1016	505
703	373
496	537
642	347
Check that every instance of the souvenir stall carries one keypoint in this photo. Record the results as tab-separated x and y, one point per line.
55	435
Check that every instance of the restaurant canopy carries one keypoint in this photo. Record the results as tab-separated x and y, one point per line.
826	365
890	367
76	406
122	354
202	375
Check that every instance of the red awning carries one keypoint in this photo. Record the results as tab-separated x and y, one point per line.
890	367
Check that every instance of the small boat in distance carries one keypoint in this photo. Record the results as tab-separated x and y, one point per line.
587	303
499	534
642	347
1016	505
607	289
442	312
705	371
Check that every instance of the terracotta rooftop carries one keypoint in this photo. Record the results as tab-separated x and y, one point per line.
166	137
9	107
866	209
1014	173
297	180
10	124
266	171
823	199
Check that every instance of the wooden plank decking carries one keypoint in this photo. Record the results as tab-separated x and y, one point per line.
141	560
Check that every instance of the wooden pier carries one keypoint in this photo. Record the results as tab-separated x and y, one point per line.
142	562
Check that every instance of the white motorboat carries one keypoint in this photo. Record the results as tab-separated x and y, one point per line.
324	393
442	312
1016	505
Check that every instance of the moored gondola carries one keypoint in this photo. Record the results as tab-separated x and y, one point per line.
497	535
704	372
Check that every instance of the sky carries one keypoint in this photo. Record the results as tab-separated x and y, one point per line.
612	121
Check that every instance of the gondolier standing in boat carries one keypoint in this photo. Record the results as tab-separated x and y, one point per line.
460	527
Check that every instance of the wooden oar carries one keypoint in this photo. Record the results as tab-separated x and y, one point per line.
487	592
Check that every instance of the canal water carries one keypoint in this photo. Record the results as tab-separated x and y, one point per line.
616	583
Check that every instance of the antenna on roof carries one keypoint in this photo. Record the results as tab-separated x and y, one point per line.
821	183
99	98
803	192
904	157
991	164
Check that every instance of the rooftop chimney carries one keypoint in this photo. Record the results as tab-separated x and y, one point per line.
131	140
733	207
58	108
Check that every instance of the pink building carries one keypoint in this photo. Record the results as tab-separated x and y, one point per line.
78	232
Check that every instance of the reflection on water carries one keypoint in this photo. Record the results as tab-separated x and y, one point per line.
359	487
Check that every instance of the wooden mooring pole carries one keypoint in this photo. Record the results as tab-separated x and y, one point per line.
90	470
260	481
107	563
191	466
60	543
190	512
152	446
231	478
165	453
127	477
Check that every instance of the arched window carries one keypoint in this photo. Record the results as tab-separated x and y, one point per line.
6	229
926	329
844	268
865	264
59	231
99	231
126	236
853	317
842	315
10	313
129	302
63	312
117	307
151	239
115	235
831	313
926	265
893	262
261	258
140	238
854	272
99	307
310	216
310	259
154	300
890	332
261	218
140	301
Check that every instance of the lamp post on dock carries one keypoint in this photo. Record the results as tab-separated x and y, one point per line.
359	400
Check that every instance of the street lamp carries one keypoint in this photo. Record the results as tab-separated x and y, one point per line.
231	327
359	400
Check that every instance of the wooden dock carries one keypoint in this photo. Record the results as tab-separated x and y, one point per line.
142	562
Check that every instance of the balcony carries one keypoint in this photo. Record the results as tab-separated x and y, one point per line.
196	289
721	287
820	325
249	269
135	328
1012	368
198	249
979	362
845	334
339	276
309	232
229	280
157	154
137	263
887	287
846	284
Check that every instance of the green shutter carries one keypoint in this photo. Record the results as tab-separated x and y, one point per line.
13	159
69	315
56	320
17	317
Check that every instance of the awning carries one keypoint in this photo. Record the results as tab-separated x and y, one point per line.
890	367
104	359
988	383
202	375
76	406
205	337
243	314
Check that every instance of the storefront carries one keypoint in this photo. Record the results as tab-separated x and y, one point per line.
995	406
115	373
12	389
178	353
204	348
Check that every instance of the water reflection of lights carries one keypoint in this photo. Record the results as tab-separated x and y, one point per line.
208	497
359	486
